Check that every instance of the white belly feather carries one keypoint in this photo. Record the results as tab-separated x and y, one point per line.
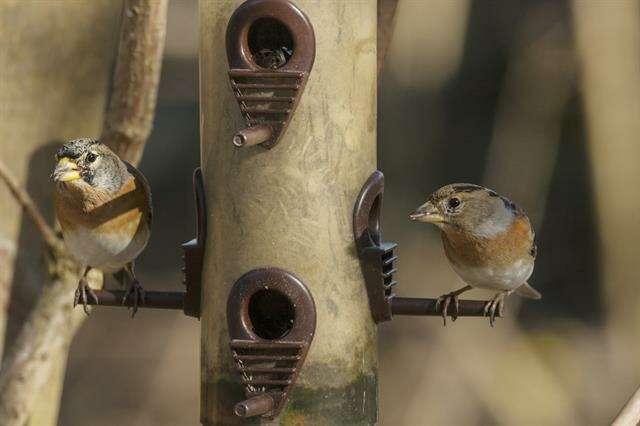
106	250
505	278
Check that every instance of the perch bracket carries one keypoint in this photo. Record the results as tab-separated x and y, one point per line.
376	258
194	251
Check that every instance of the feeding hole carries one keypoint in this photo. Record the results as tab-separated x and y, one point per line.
270	43
271	313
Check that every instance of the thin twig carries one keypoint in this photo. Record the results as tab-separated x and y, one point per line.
630	413
29	206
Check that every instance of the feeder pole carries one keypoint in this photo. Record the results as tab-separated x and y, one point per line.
290	207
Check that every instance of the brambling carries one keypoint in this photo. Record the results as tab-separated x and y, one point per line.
488	240
103	205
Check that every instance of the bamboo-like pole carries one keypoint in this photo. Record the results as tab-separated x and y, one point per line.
290	207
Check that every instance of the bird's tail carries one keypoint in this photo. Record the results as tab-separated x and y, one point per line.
525	290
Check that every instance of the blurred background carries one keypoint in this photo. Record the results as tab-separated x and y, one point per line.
539	100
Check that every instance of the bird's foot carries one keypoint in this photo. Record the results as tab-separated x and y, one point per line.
445	300
495	304
83	293
137	292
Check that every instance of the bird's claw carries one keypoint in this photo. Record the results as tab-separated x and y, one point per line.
445	300
138	293
497	303
83	292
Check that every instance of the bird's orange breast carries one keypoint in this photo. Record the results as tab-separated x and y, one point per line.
465	249
92	209
105	230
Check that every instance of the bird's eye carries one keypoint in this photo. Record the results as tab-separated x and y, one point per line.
91	157
453	203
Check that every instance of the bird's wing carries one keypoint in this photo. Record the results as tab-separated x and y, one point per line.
138	176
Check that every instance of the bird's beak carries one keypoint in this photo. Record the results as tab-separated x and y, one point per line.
66	170
427	213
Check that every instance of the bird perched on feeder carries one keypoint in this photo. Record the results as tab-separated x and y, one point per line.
103	205
488	240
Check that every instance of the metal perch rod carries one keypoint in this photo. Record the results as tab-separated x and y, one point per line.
427	307
152	299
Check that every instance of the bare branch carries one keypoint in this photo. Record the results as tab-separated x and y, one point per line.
26	369
386	24
630	413
129	119
29	206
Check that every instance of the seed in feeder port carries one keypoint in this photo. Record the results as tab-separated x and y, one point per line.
273	58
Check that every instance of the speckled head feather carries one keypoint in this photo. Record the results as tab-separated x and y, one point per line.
468	207
97	165
75	148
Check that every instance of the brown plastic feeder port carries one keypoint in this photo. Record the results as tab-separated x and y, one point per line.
270	48
272	319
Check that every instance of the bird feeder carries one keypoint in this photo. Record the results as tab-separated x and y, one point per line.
288	206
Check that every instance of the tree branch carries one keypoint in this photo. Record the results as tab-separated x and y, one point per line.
29	207
52	323
386	24
129	119
630	413
28	365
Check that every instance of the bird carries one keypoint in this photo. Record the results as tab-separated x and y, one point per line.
103	205
488	240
